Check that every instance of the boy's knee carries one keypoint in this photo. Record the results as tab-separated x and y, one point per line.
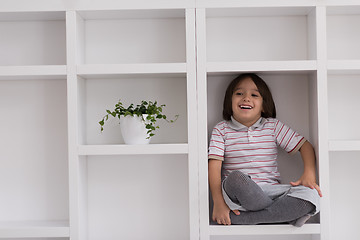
235	178
238	175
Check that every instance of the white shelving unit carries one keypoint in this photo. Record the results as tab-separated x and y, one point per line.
63	63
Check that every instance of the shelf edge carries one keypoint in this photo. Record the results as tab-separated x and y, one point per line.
86	150
343	66
236	3
218	67
34	229
23	71
108	69
264	230
337	145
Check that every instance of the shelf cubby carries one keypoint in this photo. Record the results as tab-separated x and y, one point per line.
343	33
102	92
34	157
261	34
295	96
131	36
343	176
32	38
121	189
342	114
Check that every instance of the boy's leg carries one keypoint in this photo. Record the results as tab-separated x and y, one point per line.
285	209
243	190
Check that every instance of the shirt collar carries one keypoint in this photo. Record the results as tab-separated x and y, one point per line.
238	126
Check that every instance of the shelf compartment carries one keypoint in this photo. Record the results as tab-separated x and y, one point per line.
343	170
343	33
105	91
296	97
262	66
342	95
38	229
32	72
264	230
344	145
133	149
262	34
34	153
131	36
98	70
130	186
32	38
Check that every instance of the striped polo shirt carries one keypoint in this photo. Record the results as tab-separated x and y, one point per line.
253	150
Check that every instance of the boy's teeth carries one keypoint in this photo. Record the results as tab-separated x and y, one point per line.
245	107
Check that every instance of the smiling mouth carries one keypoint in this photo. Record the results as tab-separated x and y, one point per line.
246	107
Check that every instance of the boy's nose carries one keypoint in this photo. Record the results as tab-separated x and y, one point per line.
246	97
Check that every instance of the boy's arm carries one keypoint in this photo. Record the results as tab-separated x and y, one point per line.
308	179
221	210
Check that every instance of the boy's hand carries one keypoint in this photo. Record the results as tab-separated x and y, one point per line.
309	181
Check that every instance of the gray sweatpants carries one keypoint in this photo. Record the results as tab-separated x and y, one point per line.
260	207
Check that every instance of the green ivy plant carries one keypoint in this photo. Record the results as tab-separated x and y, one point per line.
153	111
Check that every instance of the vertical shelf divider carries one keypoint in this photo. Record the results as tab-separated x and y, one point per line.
77	201
202	122
193	166
323	153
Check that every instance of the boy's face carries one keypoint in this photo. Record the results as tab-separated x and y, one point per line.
247	103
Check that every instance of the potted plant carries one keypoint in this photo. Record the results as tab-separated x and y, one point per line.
137	123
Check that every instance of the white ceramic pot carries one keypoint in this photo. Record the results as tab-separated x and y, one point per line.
133	130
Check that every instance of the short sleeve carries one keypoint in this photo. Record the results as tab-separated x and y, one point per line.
288	139
217	143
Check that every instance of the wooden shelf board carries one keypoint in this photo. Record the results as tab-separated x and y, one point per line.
30	229
33	72
264	229
265	3
343	66
132	14
32	16
344	7
346	145
123	149
263	66
105	70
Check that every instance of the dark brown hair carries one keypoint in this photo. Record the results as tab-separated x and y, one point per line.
269	109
